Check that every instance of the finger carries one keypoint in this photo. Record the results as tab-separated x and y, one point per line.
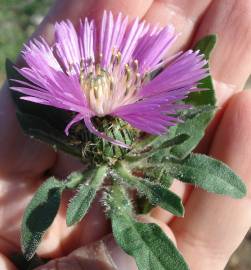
131	8
231	59
5	263
183	14
214	226
101	255
76	9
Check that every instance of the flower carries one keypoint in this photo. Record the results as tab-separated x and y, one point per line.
98	71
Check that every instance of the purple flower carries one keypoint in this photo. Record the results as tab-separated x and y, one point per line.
106	71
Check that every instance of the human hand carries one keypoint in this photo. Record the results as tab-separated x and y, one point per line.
213	226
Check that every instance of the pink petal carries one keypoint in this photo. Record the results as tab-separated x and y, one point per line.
75	120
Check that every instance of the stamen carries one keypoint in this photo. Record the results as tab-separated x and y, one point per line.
127	72
99	83
82	79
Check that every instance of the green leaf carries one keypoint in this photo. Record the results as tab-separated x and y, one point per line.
39	215
159	175
43	131
42	122
209	174
148	244
81	202
204	97
150	247
155	146
142	205
55	117
155	193
181	139
195	128
206	46
177	140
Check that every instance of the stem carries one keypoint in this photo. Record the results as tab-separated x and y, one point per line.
99	176
125	173
119	202
143	203
77	178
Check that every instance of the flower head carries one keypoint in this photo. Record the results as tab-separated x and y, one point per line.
100	71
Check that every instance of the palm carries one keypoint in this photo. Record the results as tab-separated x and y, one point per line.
196	235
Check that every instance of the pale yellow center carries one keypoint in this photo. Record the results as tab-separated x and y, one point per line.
107	90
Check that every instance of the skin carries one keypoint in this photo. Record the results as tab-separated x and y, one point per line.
213	226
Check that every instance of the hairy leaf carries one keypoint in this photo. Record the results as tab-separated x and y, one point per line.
43	131
156	194
147	243
42	122
39	215
55	117
209	174
195	128
156	146
159	175
81	202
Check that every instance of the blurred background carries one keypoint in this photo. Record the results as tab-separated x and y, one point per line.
18	20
